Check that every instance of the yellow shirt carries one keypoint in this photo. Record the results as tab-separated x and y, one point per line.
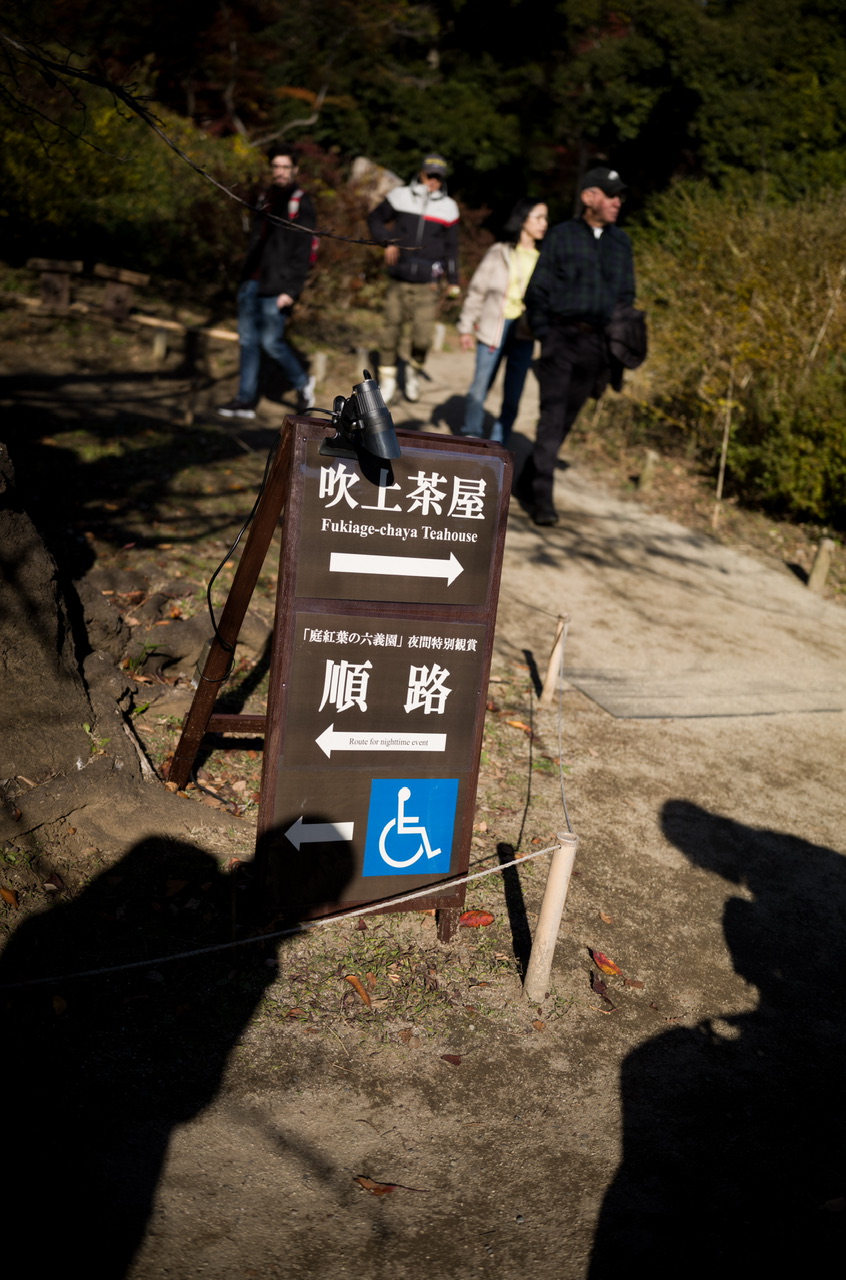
520	272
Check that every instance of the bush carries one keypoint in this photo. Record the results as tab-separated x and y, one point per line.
104	186
750	296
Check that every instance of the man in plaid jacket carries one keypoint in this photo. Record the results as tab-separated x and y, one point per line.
585	271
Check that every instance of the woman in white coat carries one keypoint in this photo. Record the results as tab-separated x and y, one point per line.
491	318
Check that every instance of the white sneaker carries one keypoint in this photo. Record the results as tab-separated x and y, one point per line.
305	396
388	382
412	382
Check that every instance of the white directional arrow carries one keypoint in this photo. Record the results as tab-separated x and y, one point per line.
315	832
342	740
397	566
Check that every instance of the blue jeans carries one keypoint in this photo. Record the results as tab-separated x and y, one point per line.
518	358
260	326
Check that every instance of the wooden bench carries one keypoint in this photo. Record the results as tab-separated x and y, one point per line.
55	281
120	286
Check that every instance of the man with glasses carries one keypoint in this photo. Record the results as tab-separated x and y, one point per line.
279	256
585	272
421	221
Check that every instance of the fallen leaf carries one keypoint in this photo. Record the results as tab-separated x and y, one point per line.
539	1025
384	1188
606	919
371	980
475	919
295	1013
598	985
603	962
375	1188
633	982
454	1059
59	1005
362	925
405	1035
10	896
520	724
358	986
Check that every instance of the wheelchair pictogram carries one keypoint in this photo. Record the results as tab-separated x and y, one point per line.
410	826
404	825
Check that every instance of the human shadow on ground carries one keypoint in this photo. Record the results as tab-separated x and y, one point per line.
102	1068
733	1130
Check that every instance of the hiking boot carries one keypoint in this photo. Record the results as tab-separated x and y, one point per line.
412	381
237	409
305	396
388	382
545	515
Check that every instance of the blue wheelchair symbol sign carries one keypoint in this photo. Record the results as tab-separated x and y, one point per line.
410	826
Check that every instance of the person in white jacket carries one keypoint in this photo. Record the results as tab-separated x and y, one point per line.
492	318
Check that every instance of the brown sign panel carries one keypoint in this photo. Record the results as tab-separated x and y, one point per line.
384	629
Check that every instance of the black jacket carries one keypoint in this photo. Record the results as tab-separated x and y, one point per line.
279	256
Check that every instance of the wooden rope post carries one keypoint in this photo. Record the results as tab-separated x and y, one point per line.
821	566
536	982
550	683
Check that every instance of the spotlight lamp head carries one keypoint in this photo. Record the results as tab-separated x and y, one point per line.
363	421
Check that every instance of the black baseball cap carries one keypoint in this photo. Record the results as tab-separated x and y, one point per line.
608	180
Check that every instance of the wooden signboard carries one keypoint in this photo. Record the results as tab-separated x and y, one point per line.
385	612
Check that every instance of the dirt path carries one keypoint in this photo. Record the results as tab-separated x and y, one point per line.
690	1120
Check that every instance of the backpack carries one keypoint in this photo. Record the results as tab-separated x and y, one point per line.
293	214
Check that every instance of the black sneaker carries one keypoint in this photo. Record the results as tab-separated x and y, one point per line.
237	409
545	516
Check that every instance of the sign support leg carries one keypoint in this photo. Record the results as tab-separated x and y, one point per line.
270	506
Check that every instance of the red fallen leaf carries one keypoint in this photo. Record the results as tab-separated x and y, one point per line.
454	1059
633	982
606	965
358	987
10	896
539	1025
371	980
362	924
54	883
475	919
